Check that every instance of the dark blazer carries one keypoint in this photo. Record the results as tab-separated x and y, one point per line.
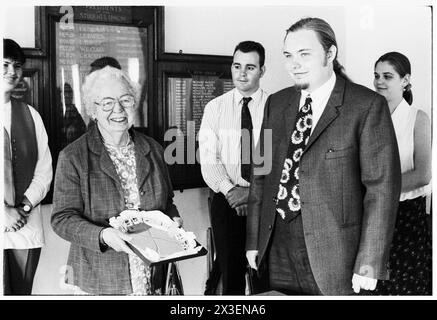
350	182
88	192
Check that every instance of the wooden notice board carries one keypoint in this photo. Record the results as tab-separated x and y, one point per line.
185	94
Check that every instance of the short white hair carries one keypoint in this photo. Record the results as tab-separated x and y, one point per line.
89	86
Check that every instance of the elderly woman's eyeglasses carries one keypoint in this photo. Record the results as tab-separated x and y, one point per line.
127	102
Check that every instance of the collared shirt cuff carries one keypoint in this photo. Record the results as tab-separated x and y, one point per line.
32	197
225	186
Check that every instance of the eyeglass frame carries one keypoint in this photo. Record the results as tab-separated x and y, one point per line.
116	100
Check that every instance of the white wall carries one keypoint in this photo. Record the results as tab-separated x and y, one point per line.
373	31
18	24
217	30
363	34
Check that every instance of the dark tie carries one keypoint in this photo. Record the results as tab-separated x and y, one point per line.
288	198
9	189
246	140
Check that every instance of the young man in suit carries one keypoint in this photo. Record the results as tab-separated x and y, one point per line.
322	219
231	124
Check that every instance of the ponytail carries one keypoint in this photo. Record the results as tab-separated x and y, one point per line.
339	70
408	94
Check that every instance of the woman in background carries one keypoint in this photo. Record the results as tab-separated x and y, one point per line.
107	170
410	255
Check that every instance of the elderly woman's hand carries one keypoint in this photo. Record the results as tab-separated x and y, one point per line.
116	240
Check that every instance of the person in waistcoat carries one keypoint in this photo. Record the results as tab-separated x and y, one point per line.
27	178
322	220
410	261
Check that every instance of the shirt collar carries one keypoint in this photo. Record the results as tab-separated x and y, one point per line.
7	108
256	96
401	106
320	94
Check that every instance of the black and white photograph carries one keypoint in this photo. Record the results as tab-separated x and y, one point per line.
253	150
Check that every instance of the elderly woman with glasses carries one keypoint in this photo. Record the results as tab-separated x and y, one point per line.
109	169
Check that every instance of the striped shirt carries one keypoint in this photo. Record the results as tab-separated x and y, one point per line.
220	138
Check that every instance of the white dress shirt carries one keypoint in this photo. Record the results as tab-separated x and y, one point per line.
32	235
220	138
319	98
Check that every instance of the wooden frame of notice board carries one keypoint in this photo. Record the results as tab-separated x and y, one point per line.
180	67
184	88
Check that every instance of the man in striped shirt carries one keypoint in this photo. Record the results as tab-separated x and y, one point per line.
229	131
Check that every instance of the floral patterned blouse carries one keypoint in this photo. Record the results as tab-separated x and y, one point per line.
125	165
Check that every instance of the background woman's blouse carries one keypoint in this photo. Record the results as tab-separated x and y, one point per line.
404	118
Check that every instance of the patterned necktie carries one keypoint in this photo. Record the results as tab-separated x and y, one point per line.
246	142
288	198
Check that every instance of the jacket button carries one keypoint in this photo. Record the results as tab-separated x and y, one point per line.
142	193
270	227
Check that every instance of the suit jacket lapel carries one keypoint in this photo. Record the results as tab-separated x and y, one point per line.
109	169
142	148
331	111
290	112
96	145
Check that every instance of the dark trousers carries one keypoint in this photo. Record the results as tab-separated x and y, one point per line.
288	264
19	266
229	237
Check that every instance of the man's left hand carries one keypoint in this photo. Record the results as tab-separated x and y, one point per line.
362	282
241	210
237	196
